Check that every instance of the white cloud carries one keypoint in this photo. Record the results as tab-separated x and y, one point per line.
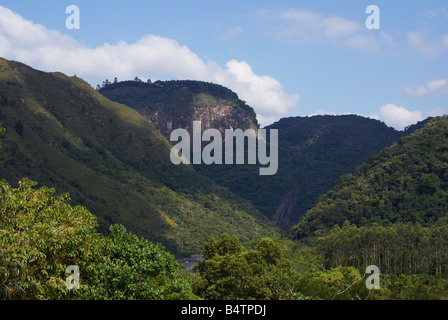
399	117
304	27
232	33
306	22
427	43
322	112
432	87
263	91
152	56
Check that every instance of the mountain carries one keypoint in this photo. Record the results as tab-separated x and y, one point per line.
405	183
176	104
62	133
313	153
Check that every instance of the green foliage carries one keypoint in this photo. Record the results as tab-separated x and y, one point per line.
12	276
397	249
406	182
339	283
41	234
135	269
114	162
314	152
230	271
412	287
429	183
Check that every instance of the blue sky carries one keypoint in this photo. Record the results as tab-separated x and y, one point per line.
285	58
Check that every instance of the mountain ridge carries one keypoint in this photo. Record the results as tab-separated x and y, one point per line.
313	153
176	104
406	182
62	133
351	138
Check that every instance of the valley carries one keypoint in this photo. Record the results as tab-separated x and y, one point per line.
87	179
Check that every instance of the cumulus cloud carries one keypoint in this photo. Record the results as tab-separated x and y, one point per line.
375	117
399	117
150	57
263	91
432	87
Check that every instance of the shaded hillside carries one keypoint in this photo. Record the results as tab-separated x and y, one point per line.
176	104
62	133
313	153
407	182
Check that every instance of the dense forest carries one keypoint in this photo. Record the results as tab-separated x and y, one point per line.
42	234
406	182
313	151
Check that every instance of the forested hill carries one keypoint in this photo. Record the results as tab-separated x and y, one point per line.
62	133
345	129
313	153
405	183
177	103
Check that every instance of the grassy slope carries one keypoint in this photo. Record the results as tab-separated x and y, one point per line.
113	161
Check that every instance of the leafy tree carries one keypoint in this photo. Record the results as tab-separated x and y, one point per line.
429	183
43	234
230	271
106	83
340	283
135	269
12	275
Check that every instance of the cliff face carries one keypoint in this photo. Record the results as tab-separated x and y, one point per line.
219	117
171	105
